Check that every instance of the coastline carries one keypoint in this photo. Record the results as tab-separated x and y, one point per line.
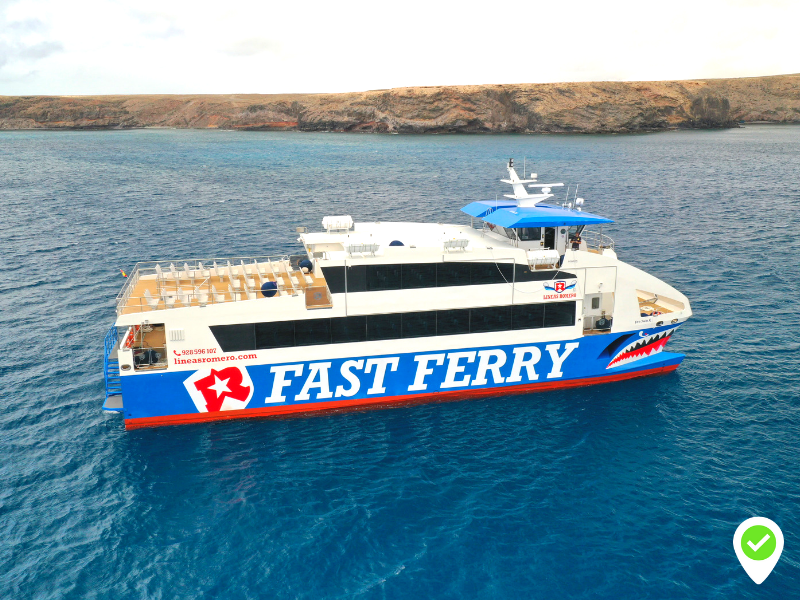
594	107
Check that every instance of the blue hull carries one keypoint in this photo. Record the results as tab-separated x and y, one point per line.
227	390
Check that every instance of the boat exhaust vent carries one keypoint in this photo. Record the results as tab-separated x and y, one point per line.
177	335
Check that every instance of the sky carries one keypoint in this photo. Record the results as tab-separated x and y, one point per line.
76	47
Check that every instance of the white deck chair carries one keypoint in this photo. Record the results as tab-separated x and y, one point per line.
175	275
202	297
234	295
218	296
188	272
159	272
169	300
247	273
185	297
251	295
204	272
151	302
219	271
262	276
237	284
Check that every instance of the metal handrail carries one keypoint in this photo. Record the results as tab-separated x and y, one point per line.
597	240
194	264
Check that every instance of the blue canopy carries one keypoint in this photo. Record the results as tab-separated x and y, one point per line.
486	207
542	215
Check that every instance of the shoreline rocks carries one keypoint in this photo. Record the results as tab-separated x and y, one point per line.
597	107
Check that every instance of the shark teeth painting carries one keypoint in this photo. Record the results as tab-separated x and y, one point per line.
641	347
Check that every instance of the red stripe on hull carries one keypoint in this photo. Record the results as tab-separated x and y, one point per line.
315	407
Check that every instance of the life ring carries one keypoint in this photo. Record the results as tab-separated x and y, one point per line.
132	331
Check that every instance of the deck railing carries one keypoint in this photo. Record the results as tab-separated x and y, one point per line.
191	282
596	241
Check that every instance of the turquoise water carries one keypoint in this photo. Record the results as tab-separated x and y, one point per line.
629	490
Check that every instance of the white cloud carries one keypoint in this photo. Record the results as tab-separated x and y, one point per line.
175	46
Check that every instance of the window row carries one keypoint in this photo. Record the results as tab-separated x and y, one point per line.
339	330
378	277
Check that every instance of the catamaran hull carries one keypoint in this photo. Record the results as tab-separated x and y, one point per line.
220	388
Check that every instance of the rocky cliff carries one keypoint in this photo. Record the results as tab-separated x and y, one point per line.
516	108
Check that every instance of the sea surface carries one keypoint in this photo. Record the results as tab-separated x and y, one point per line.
627	490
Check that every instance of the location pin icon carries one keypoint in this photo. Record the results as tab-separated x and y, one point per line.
758	543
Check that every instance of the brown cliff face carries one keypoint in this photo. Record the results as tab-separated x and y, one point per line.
603	107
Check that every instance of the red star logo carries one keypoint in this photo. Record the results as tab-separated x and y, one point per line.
560	286
226	383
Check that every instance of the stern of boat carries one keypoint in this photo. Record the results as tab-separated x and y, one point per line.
113	383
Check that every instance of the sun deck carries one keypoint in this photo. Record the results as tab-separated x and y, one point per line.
184	283
651	304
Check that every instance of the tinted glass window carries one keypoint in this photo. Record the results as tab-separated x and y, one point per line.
348	329
527	316
449	274
383	277
452	322
334	276
482	273
525	273
493	318
559	314
383	327
529	234
422	275
420	324
279	334
233	338
357	279
310	332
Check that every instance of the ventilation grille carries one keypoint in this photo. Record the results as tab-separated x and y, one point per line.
176	335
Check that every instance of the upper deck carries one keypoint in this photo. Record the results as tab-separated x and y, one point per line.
183	283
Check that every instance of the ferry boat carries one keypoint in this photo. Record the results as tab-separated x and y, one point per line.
523	298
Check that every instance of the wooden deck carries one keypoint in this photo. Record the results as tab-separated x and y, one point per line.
182	288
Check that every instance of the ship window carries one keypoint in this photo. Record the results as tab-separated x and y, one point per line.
348	329
306	332
529	234
452	322
507	232
527	316
311	332
233	338
334	277
278	334
491	272
524	273
422	275
383	327
357	279
383	277
559	314
493	318
419	324
452	274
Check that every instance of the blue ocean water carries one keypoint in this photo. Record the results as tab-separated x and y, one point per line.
628	490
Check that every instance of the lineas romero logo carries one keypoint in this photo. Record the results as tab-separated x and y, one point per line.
214	390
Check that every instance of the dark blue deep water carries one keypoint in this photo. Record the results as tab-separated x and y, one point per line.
628	490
